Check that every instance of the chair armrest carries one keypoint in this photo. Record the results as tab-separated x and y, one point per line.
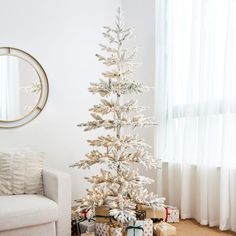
57	187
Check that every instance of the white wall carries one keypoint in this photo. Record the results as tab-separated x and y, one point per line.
63	35
140	15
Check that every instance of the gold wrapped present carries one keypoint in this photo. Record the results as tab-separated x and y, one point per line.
164	229
102	215
152	213
88	234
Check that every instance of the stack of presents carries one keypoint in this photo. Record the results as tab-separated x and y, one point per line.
149	222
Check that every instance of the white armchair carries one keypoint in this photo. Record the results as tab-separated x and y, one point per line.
37	215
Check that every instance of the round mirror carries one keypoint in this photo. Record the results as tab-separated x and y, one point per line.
23	87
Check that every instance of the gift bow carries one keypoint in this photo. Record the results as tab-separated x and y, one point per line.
134	228
84	214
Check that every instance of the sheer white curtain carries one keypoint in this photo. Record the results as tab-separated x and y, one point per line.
196	107
9	88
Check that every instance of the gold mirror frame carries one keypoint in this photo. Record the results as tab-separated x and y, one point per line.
44	87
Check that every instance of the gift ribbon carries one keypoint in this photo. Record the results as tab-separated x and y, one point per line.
134	228
91	219
78	224
167	214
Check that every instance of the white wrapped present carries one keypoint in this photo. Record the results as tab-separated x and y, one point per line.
108	229
140	228
86	226
102	229
172	214
148	227
135	228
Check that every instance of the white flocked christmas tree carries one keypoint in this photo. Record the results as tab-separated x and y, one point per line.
120	152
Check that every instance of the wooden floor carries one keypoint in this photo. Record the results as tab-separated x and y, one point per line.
192	228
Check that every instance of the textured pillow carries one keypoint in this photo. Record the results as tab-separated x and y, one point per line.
21	172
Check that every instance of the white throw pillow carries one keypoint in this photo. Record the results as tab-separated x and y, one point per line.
21	172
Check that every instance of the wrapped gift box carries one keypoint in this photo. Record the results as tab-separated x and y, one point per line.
79	222
164	229
79	227
86	226
88	234
140	228
102	215
135	228
102	229
172	214
148	227
108	229
116	231
153	213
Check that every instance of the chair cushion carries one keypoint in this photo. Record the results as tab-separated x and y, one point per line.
17	211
